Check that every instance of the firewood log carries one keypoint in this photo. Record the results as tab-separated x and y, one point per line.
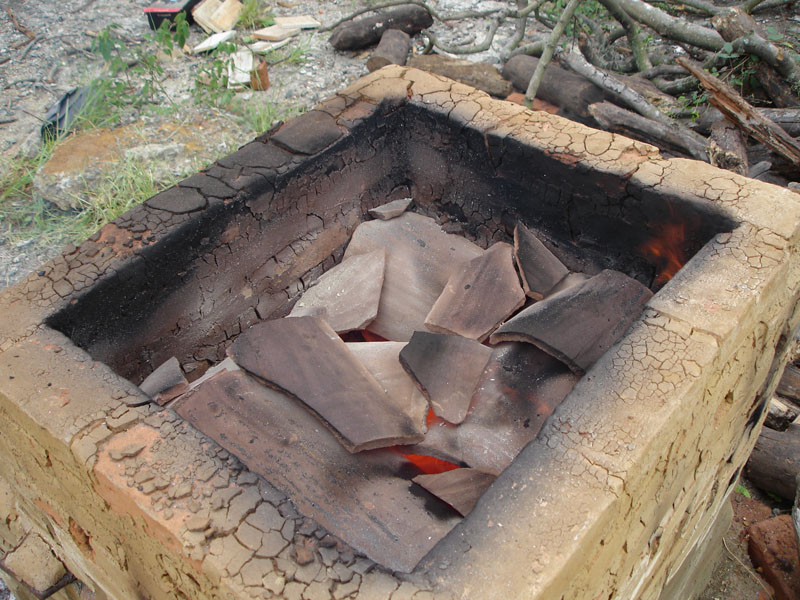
354	35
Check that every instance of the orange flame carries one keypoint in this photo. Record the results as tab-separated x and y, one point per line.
430	465
667	250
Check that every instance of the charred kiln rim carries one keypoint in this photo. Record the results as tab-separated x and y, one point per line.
691	327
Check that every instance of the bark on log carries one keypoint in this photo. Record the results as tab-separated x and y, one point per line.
773	465
740	112
789	385
355	35
776	87
571	93
672	27
786	118
728	149
479	75
613	118
392	50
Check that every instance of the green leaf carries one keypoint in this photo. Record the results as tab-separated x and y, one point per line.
740	489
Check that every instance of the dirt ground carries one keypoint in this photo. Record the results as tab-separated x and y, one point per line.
34	76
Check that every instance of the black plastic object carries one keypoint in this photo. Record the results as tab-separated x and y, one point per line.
166	10
62	114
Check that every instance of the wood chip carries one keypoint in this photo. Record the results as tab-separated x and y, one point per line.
460	488
239	68
479	296
349	293
213	41
579	324
362	499
420	258
305	358
447	369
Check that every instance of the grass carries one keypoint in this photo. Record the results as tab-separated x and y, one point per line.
254	15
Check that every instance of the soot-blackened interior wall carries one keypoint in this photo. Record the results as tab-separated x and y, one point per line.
246	257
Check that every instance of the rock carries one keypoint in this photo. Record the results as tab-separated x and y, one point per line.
773	549
392	209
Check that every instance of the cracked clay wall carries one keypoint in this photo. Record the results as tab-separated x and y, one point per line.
623	483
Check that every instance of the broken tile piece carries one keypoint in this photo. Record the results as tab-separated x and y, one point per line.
213	41
479	296
304	357
265	47
226	365
301	21
349	293
520	387
568	281
579	324
382	359
420	258
275	33
460	488
539	268
356	498
239	68
447	369
392	209
166	376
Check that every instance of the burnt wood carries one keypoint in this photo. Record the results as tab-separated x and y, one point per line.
579	324
539	268
571	93
304	357
392	50
348	295
366	499
420	258
520	387
447	369
460	488
773	465
479	296
354	35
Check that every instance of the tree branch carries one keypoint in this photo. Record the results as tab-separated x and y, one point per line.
672	27
632	31
549	48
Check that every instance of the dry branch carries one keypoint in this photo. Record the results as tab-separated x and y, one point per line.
672	27
728	149
672	137
740	112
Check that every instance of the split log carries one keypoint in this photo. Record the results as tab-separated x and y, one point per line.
786	118
571	93
671	137
392	50
773	465
728	149
780	414
355	35
740	112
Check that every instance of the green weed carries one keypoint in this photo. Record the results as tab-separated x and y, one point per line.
255	16
740	489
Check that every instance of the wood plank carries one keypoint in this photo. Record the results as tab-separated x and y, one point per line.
579	324
539	268
742	113
299	21
447	369
460	488
304	357
420	258
366	499
347	295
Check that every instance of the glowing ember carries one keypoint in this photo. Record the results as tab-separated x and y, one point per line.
667	250
430	465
